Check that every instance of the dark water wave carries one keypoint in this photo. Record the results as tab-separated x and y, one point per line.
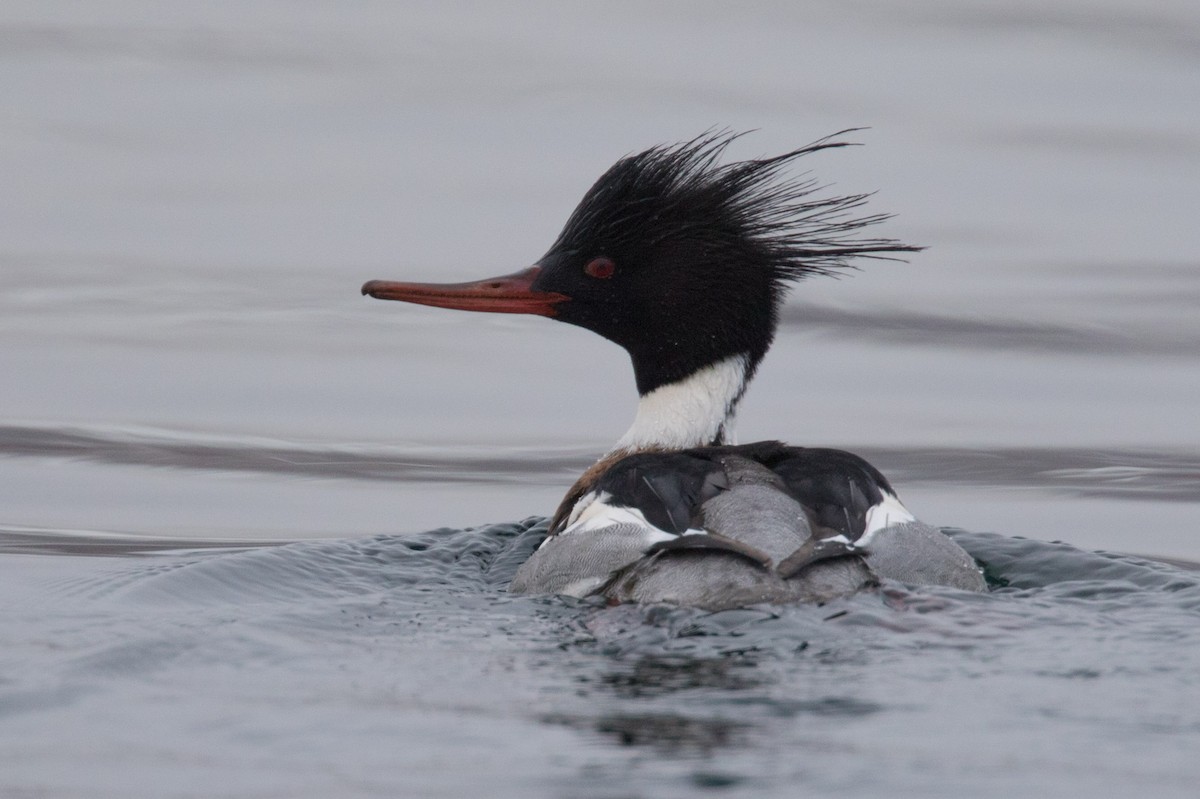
964	332
21	540
164	450
1127	474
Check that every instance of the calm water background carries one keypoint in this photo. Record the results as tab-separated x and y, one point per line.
192	195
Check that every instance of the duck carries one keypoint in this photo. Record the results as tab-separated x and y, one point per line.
684	260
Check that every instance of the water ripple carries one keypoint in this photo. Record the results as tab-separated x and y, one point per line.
1124	473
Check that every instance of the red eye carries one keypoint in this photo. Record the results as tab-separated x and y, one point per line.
602	268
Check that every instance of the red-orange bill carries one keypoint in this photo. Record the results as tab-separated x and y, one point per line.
505	294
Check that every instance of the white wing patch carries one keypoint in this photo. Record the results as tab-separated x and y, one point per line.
887	512
584	503
592	512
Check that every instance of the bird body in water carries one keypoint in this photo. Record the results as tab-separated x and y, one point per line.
684	262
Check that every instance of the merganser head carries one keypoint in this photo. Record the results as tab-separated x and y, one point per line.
684	262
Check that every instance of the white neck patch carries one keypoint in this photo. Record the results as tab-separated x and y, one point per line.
690	412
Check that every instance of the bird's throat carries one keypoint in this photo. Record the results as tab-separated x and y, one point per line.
696	411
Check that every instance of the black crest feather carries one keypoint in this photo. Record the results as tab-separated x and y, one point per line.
681	190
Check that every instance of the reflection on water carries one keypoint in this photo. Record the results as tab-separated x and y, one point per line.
666	734
652	676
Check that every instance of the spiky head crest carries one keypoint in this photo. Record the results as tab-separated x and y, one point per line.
675	191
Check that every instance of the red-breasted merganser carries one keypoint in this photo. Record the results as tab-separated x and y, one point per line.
684	262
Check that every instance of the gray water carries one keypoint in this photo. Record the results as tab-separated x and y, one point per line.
255	529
